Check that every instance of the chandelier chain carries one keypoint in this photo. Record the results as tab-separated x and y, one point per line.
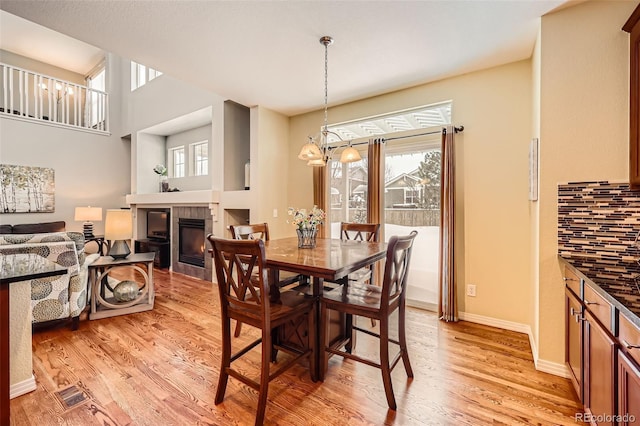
326	83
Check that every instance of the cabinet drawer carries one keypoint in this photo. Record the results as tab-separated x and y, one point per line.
599	307
572	281
630	335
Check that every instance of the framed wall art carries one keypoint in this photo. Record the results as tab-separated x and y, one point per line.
26	189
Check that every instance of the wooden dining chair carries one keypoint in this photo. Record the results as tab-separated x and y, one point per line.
360	232
260	231
376	303
246	300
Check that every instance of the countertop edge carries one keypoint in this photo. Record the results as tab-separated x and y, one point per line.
615	302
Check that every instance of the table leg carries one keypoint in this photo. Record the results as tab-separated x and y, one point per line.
4	354
318	284
274	290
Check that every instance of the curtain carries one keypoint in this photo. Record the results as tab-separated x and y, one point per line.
320	193
375	194
447	304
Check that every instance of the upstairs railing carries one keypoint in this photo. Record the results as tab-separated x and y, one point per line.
31	96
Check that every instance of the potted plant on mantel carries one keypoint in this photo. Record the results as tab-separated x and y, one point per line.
164	181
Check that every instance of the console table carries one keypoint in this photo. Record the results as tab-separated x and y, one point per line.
12	271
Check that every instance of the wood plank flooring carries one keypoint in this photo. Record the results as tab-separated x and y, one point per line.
161	368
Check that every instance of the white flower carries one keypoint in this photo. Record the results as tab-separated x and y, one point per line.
160	169
304	220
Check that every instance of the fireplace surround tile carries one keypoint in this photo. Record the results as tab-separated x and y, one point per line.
204	213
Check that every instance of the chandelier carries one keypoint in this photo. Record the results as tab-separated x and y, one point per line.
314	153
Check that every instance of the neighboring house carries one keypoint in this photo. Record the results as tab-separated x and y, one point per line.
403	191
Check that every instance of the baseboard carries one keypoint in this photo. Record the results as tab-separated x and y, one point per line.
432	307
541	365
20	388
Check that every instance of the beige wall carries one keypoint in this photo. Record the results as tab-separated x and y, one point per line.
272	157
493	242
584	129
534	206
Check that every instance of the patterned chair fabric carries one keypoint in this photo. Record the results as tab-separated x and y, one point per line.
58	297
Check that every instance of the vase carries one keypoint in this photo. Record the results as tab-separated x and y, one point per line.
307	237
164	184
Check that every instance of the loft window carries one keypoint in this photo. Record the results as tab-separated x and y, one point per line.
141	75
200	158
96	81
177	162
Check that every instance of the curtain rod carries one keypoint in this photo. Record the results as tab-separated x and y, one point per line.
457	129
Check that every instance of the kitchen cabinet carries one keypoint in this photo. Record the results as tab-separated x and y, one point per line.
628	390
599	374
573	347
632	26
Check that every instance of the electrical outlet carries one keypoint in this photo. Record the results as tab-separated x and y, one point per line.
275	212
471	290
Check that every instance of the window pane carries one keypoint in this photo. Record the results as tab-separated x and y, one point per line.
200	159
178	162
141	75
349	193
412	201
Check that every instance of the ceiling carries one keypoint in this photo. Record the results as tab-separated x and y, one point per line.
268	52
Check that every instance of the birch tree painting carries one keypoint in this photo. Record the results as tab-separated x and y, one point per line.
26	189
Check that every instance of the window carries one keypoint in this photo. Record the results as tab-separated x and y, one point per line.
177	162
200	158
141	75
153	74
96	81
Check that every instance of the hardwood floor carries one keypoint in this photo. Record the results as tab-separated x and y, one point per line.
161	368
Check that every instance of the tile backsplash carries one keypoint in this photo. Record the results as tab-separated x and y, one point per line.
598	219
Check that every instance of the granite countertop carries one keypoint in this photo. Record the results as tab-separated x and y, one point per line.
617	281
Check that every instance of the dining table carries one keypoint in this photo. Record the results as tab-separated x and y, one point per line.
331	260
15	268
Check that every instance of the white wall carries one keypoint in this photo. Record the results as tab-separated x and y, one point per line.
90	169
151	150
161	100
185	139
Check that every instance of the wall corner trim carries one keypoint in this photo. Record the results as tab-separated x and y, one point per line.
23	387
540	364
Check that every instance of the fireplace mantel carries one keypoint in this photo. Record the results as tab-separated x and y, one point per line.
206	196
209	198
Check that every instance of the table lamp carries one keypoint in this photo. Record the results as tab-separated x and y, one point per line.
88	215
118	228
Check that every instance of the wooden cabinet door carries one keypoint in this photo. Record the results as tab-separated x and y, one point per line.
573	345
633	27
599	370
628	391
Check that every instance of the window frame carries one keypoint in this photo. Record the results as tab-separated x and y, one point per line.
193	163
173	165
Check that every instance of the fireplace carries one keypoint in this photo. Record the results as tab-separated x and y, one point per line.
191	241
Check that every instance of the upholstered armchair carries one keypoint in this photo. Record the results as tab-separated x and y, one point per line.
59	297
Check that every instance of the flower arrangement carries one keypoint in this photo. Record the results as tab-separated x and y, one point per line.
160	169
303	220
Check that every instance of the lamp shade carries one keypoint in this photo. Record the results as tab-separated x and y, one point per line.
118	225
349	155
317	163
88	214
310	151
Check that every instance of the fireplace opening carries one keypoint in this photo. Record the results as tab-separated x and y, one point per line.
191	244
